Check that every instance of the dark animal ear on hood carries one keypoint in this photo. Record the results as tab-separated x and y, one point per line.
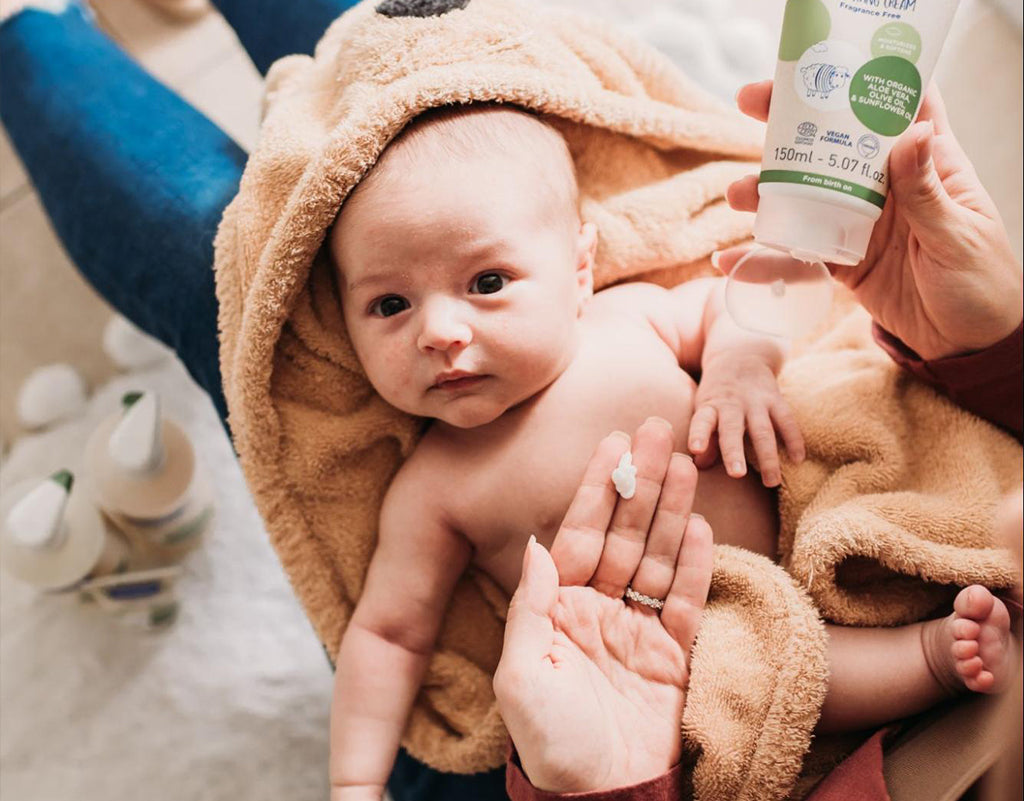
419	8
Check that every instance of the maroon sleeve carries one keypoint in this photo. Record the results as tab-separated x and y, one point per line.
989	383
667	787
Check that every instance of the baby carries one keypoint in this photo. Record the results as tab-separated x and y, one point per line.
466	284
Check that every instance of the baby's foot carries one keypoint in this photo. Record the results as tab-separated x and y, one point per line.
973	647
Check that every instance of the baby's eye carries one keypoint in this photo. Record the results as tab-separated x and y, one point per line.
489	283
389	305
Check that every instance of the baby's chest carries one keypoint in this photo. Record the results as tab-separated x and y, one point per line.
523	482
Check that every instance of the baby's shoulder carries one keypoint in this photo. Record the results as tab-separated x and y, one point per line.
419	481
634	298
646	305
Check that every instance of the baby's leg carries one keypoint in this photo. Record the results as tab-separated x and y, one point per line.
883	674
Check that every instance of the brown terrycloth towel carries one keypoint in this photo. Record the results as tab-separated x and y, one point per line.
894	508
318	446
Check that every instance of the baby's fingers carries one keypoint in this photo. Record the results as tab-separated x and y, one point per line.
789	430
730	440
762	438
702	426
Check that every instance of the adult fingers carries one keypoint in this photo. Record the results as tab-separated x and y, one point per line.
658	566
762	438
631	521
933	108
689	593
529	631
742	195
788	428
577	548
702	426
917	187
754	99
730	440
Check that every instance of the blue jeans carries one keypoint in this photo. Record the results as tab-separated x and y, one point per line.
135	181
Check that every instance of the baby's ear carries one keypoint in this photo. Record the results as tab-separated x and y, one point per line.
586	249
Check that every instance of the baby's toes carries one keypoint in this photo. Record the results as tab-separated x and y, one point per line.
983	682
964	629
974	602
964	649
969	668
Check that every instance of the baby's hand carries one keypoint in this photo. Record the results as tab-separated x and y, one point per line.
738	394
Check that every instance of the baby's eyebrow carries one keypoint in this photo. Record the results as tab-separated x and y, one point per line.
367	280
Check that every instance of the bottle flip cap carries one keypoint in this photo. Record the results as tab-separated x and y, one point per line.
774	292
38	545
781	286
135	443
36	521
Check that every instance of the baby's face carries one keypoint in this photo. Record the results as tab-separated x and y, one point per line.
461	286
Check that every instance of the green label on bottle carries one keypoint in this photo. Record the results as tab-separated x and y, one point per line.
823	181
885	94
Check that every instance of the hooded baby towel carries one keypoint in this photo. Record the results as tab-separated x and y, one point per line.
318	446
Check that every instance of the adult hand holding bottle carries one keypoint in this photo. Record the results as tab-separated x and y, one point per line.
939	273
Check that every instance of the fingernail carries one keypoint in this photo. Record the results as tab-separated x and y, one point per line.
924	145
658	420
716	257
697	445
529	572
737	469
698	516
685	456
621	435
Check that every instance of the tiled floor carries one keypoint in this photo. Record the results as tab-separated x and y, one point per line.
47	312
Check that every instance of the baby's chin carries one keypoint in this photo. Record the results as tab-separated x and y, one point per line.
471	415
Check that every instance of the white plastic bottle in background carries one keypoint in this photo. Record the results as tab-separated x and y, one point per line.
54	537
142	471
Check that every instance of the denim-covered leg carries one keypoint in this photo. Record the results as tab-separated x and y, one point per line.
270	29
133	178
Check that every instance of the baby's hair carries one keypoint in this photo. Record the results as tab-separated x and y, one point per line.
459	130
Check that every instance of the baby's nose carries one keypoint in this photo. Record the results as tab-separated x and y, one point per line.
443	328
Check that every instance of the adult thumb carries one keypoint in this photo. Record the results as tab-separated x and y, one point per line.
529	631
916	186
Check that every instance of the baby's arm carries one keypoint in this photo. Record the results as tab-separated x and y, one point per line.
390	638
738	393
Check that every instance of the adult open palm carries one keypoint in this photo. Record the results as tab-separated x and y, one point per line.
939	272
592	687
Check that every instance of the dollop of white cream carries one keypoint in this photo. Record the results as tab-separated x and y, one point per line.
624	476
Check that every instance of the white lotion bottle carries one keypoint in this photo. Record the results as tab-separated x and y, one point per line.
143	473
850	79
53	537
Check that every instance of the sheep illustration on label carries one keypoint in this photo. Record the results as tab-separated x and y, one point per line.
823	79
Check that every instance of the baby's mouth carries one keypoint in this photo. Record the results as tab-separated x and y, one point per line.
458	381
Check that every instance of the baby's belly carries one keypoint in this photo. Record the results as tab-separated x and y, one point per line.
741	513
527	486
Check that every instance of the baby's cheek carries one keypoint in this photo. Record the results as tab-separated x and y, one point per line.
383	363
